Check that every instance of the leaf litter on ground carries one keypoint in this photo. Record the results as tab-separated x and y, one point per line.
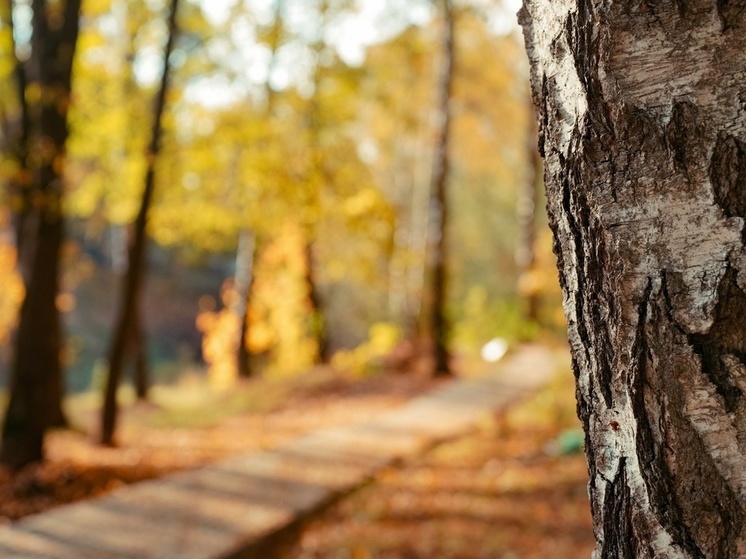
504	491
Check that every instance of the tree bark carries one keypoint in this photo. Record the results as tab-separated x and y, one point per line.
440	324
36	378
642	114
130	301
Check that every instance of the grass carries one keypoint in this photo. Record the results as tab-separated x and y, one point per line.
194	403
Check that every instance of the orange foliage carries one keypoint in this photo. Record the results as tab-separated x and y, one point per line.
13	291
220	331
279	311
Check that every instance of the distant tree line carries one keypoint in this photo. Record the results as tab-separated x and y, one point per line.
373	164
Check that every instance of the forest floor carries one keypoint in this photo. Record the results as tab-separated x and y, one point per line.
516	489
508	490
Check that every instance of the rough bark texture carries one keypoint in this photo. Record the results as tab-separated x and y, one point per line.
131	291
440	323
642	108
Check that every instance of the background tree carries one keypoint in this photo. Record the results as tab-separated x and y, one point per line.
131	289
108	143
346	154
440	206
398	126
526	212
36	380
248	246
644	142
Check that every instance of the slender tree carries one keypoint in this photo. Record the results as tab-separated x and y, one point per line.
133	281
641	107
36	378
248	245
439	319
141	376
399	81
318	179
246	253
138	341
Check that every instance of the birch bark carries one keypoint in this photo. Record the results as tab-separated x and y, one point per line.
642	109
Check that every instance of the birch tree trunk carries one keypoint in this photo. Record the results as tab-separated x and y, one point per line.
642	108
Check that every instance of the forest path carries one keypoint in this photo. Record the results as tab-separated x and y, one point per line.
242	506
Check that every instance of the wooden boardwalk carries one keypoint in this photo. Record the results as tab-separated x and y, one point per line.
232	508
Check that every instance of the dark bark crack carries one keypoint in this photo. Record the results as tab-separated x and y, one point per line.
655	472
702	503
588	275
731	13
728	175
685	137
620	539
727	336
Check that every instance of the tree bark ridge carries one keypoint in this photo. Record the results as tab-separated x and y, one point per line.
641	109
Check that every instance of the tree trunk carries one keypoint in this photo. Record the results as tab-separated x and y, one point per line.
641	107
248	250
128	310
318	319
420	225
17	128
243	281
36	365
36	377
440	324
139	351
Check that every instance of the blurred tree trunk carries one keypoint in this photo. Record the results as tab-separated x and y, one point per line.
16	128
243	282
528	199
248	246
318	320
132	286
139	348
320	176
36	376
21	189
641	107
440	324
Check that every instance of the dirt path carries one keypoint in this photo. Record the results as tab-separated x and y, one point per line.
514	489
255	415
233	505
